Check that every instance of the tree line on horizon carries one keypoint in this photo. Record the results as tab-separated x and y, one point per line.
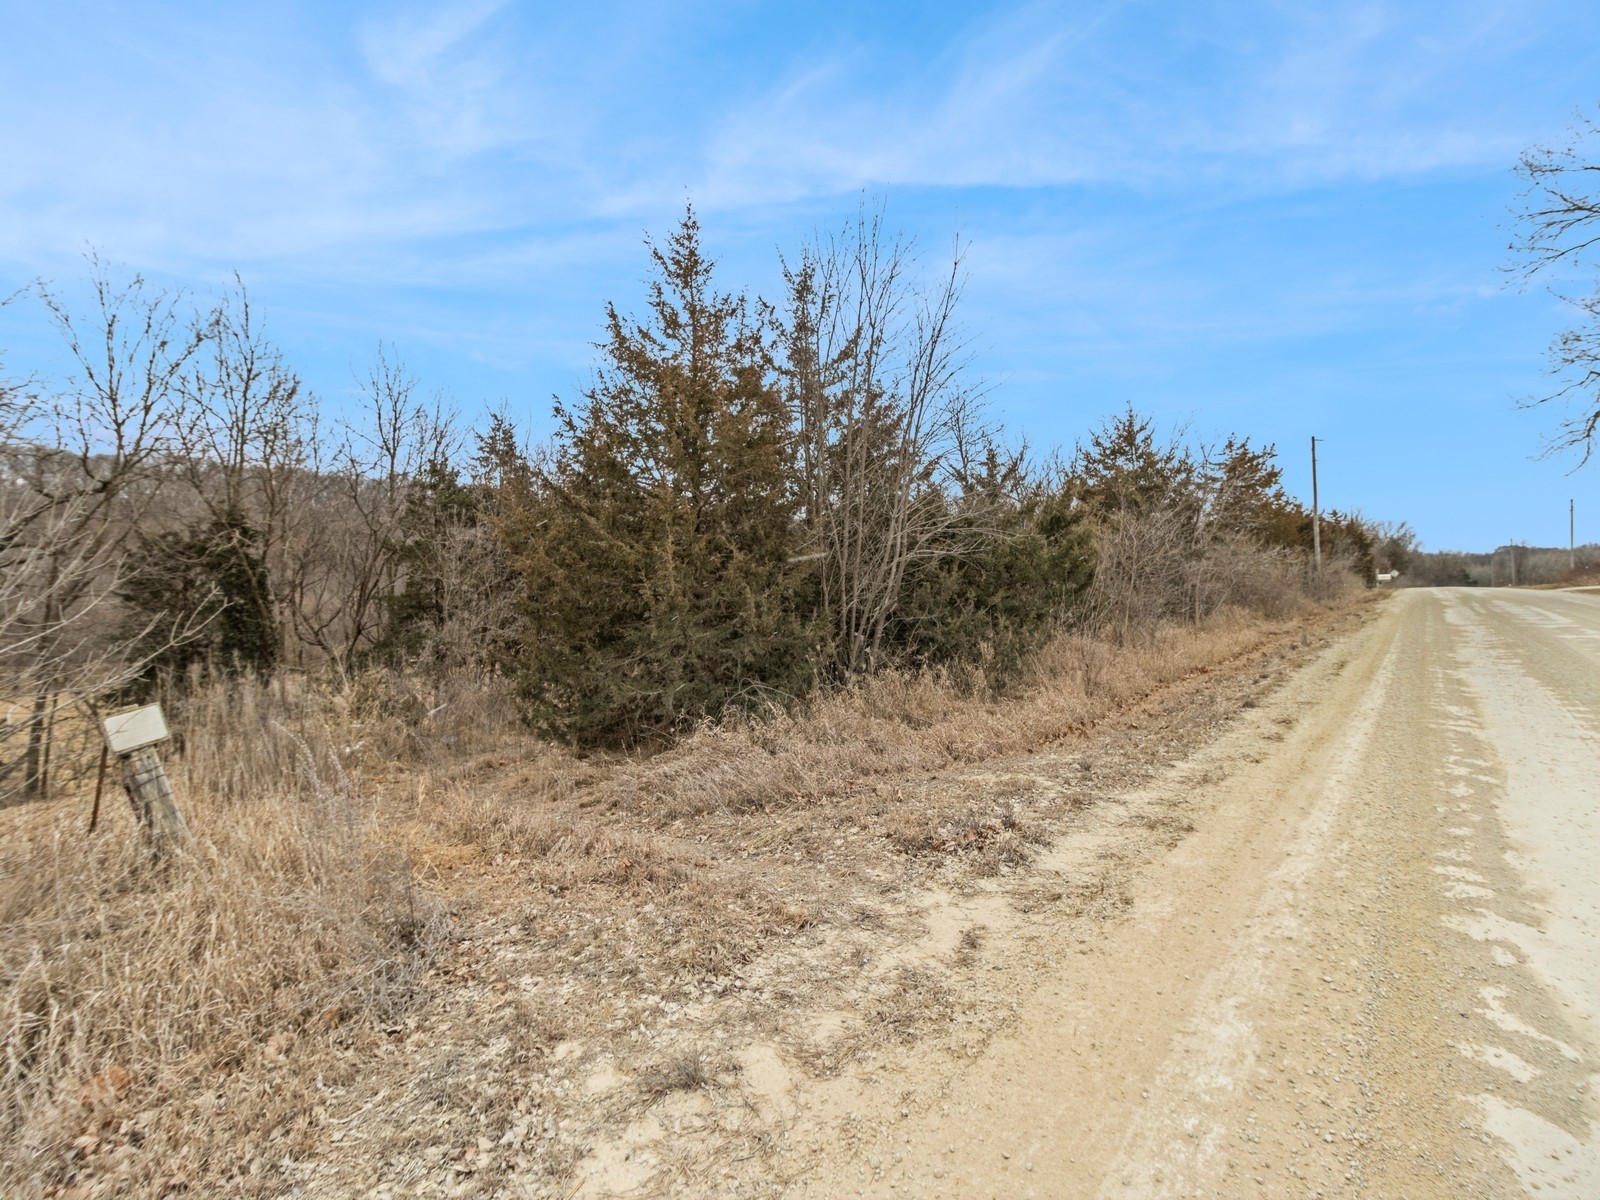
1396	548
749	502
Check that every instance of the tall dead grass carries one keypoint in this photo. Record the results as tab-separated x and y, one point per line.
170	1025
1155	567
167	1022
901	723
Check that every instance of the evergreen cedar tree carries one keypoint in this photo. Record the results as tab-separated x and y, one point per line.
657	545
660	544
1236	488
436	502
653	545
981	614
214	578
444	574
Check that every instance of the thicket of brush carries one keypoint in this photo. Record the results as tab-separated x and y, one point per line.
748	503
1514	564
743	509
766	555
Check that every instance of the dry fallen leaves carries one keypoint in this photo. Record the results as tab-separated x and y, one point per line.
106	1086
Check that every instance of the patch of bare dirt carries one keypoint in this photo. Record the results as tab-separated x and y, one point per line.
649	994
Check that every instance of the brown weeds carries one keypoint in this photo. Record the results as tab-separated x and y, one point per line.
168	1022
185	1024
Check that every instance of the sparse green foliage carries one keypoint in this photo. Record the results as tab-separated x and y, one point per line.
1123	467
1244	491
1180	533
1349	537
438	508
988	610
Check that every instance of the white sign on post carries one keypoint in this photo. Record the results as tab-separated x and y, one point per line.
135	729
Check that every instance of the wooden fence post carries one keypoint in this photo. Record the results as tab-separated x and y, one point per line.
153	801
132	737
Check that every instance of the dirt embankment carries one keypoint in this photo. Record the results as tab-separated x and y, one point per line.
900	912
648	964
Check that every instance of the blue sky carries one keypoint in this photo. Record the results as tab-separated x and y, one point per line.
1266	217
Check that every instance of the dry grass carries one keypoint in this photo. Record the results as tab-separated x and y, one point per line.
752	830
995	838
167	1023
1584	578
901	724
188	1025
684	1071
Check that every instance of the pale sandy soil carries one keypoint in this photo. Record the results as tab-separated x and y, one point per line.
1371	969
1319	919
564	1049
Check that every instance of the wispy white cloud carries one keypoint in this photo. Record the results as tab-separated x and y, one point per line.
241	155
1369	91
1264	96
408	48
449	78
470	118
973	116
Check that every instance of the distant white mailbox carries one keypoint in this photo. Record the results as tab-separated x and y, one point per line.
135	729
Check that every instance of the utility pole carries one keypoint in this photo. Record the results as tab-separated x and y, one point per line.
1572	541
1316	512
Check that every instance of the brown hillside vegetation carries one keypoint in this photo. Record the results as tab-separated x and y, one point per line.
401	942
525	783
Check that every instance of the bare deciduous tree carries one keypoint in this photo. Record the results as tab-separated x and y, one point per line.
1559	239
338	581
86	464
890	429
250	444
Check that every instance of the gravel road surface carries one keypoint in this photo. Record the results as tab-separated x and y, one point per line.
1372	970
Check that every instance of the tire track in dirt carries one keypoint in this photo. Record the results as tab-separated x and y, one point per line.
1368	972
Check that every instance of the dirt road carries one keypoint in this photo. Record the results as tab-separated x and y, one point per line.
1372	969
